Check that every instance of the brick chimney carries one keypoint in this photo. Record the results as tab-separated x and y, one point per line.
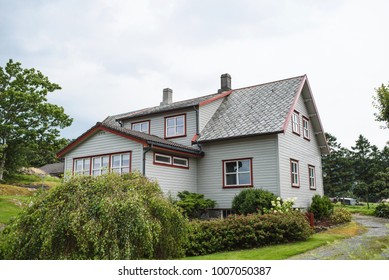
167	96
225	84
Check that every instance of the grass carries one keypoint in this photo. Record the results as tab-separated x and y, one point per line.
32	180
284	251
359	209
11	206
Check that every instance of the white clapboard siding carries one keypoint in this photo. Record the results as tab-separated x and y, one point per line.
262	150
105	143
207	111
157	125
172	179
292	146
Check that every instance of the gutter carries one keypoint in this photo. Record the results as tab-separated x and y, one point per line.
197	129
145	151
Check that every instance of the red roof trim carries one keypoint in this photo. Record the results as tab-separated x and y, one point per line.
92	131
296	98
221	95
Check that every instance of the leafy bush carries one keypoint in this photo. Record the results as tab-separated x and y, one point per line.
105	217
382	210
321	207
194	204
340	216
243	232
251	201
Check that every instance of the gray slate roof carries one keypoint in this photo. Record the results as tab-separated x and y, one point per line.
53	168
164	108
255	110
149	138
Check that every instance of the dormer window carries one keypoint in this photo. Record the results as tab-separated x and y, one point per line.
141	126
296	123
175	126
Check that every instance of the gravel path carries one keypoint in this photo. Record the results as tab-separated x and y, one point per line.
354	248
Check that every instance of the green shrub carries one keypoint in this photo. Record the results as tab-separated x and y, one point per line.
105	217
321	207
194	204
251	201
340	216
382	210
243	232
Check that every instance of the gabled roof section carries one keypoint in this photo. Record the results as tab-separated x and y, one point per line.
111	126
262	109
172	107
254	110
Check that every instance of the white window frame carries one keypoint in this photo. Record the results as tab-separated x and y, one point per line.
236	173
306	132
296	122
139	127
295	173
171	162
119	169
83	170
162	156
175	126
312	177
101	169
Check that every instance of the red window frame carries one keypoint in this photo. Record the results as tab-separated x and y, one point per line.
165	126
311	167
292	174
297	114
225	186
171	164
140	122
307	130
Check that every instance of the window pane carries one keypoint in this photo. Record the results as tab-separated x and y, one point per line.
105	161
96	163
125	170
145	127
231	167
244	179
161	158
170	122
244	165
180	120
136	127
180	130
171	131
87	164
125	160
231	179
115	161
79	164
180	161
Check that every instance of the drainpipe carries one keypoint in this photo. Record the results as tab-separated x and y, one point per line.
145	151
197	128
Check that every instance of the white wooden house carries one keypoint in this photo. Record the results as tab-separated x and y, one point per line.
265	136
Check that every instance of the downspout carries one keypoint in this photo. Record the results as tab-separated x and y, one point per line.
145	151
197	128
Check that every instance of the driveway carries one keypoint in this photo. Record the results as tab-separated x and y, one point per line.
355	248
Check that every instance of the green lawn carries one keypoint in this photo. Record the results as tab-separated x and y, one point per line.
11	205
283	251
360	209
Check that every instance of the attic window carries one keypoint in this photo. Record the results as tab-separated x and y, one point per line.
306	128
172	161
141	126
296	123
294	172
175	126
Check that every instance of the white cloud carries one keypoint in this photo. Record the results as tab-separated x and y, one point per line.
117	56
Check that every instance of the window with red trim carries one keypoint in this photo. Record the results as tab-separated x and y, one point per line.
294	172
141	126
173	161
306	132
312	177
237	173
296	122
175	126
102	164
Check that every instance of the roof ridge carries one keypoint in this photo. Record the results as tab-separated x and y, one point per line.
276	81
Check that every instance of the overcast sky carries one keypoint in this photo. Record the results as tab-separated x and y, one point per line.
115	56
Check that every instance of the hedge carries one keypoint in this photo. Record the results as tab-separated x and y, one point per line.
244	232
